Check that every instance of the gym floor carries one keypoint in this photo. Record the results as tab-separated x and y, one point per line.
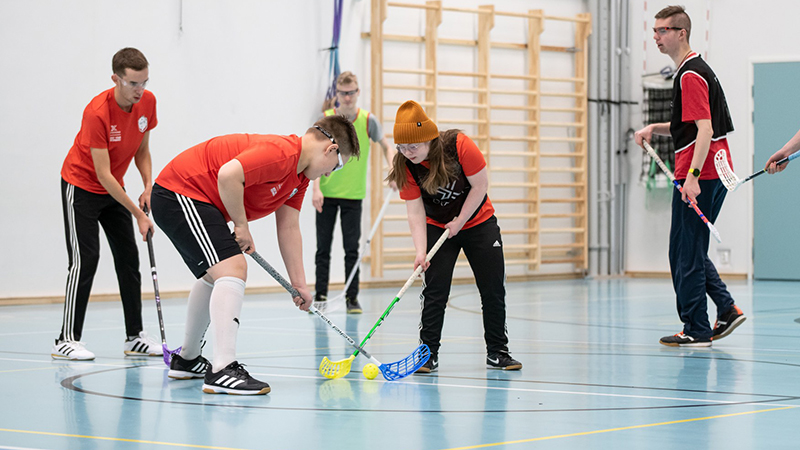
594	376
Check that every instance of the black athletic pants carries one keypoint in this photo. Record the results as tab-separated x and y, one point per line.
83	213
483	247
351	234
693	274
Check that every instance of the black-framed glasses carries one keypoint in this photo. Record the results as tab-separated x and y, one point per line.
347	93
340	164
663	30
327	135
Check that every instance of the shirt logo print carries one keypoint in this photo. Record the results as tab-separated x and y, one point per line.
447	194
114	135
142	124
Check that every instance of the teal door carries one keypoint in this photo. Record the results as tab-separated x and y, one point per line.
776	198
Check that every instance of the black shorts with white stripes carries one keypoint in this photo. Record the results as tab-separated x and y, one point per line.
197	229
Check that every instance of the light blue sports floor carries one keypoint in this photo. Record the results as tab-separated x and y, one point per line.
594	376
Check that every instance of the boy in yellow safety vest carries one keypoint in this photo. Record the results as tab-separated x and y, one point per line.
344	192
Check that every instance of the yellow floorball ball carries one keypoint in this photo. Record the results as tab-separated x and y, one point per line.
370	371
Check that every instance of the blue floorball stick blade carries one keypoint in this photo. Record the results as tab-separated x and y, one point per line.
406	366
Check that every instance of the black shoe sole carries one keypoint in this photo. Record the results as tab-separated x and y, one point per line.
736	322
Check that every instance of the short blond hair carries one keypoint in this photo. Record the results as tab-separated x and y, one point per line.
346	78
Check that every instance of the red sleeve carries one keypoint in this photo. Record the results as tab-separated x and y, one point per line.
153	120
411	190
694	98
469	155
259	166
296	201
93	130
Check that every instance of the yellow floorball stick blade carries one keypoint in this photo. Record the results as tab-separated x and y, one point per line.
335	369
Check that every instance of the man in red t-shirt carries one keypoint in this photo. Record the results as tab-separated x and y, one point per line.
115	130
700	123
239	178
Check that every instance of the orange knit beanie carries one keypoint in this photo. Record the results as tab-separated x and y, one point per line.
412	126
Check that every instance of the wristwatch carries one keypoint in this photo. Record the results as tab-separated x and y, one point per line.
695	172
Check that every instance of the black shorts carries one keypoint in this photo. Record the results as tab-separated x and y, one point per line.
197	229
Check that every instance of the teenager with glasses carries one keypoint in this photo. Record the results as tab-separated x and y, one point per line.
699	125
444	180
239	178
115	129
342	193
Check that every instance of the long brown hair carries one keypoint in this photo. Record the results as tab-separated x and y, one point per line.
444	167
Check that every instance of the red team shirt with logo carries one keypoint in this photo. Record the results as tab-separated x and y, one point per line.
472	161
694	101
106	125
270	172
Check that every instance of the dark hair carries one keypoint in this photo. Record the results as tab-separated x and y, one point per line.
680	18
444	167
128	58
343	131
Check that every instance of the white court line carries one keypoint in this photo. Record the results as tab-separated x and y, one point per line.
19	448
550	391
461	386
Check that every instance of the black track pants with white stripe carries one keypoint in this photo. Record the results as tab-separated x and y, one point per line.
84	213
483	247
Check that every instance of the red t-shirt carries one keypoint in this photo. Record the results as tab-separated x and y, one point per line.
270	172
695	106
472	161
106	125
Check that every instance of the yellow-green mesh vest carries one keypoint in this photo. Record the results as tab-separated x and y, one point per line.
351	181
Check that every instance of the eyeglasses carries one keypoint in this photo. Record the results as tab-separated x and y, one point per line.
663	30
340	164
347	93
134	84
403	148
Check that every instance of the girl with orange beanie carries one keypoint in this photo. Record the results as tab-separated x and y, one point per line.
444	181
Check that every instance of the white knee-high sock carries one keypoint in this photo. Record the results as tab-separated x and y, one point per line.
197	318
226	305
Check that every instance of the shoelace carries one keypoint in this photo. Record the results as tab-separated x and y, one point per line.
241	371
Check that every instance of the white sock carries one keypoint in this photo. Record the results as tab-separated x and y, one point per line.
225	307
197	319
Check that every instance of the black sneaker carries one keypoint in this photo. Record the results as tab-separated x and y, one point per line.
682	340
353	307
233	379
502	360
185	369
728	322
431	365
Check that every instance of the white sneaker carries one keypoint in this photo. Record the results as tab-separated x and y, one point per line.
71	350
142	345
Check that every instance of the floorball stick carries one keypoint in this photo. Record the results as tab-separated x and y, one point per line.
333	365
678	186
729	178
167	352
392	371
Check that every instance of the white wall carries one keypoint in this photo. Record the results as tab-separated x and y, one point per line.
244	66
215	67
738	35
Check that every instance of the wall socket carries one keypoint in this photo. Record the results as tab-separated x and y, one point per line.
724	257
